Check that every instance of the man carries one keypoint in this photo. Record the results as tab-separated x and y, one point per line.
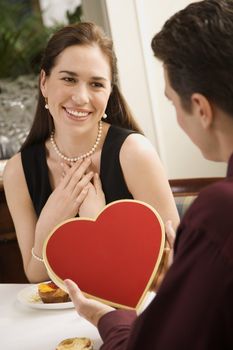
193	308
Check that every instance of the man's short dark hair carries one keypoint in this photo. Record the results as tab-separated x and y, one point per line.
196	48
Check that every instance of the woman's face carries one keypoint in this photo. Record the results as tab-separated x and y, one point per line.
78	87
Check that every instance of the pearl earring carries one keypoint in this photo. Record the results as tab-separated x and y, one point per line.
104	116
46	104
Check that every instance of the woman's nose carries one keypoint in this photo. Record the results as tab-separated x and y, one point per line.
80	96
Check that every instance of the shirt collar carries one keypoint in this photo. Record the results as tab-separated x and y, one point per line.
230	167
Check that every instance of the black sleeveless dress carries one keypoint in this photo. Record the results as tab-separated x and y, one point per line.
111	175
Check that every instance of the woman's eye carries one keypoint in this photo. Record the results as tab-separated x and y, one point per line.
69	79
97	85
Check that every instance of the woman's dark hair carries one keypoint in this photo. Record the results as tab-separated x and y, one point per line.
86	34
196	48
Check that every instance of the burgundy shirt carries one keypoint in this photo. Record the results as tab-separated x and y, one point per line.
193	309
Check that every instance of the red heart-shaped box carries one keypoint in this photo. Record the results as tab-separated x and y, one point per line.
114	258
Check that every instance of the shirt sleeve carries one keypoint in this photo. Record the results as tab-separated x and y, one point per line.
114	329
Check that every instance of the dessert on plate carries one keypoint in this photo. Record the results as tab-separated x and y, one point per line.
49	292
75	344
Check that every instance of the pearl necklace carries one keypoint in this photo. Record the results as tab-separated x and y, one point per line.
85	155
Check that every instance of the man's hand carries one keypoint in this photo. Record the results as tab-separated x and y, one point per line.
92	310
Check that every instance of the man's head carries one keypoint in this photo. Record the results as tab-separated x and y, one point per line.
196	47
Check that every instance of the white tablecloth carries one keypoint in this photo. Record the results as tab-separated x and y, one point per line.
25	328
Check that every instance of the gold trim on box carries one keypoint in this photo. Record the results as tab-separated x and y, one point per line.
60	283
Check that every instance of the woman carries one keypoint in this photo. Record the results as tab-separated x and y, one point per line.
84	148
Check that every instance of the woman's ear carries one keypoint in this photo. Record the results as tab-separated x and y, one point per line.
202	109
43	83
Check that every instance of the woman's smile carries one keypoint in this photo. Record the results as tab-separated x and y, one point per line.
77	114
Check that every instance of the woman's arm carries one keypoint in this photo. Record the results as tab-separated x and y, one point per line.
146	178
23	215
62	204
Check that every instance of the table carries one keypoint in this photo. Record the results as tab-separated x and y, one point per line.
25	328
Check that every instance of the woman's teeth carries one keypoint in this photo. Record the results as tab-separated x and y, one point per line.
77	114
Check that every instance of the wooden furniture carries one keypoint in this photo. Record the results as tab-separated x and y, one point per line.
11	266
190	187
186	190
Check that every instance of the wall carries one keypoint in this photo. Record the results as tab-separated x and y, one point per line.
96	11
132	24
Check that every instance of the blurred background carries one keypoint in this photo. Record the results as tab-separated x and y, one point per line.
25	26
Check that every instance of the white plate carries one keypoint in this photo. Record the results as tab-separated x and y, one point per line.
29	297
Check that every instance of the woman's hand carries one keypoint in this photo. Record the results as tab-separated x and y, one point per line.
65	200
91	310
167	256
94	201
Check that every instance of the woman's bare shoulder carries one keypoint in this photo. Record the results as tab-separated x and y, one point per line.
137	146
13	169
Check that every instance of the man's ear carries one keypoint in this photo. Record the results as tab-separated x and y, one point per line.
43	83
202	109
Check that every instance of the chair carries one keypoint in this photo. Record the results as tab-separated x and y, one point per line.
186	190
11	264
